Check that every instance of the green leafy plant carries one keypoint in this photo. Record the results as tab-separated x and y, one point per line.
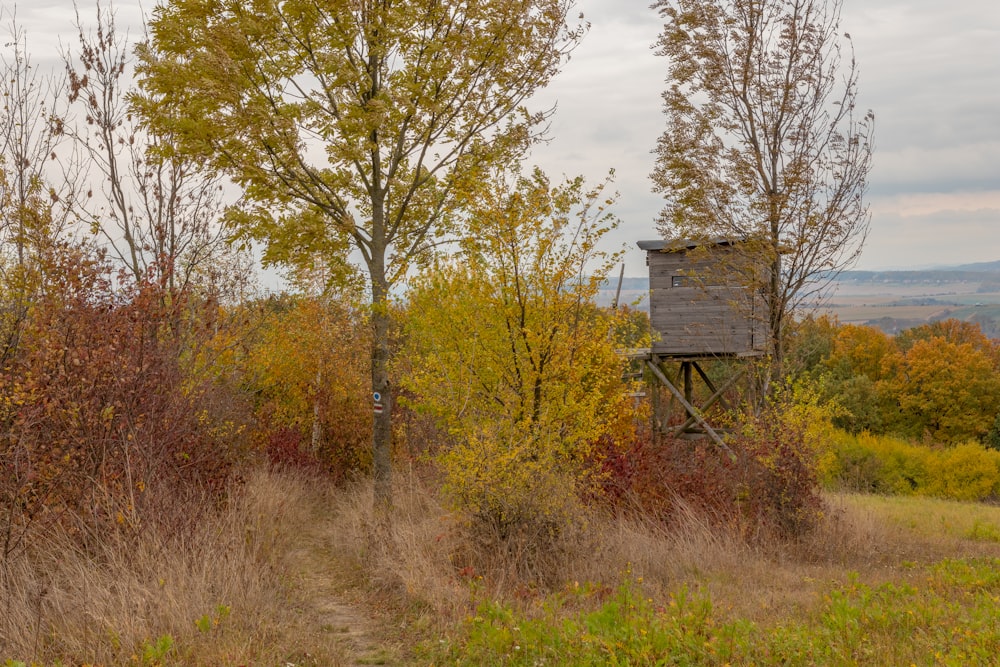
207	623
153	653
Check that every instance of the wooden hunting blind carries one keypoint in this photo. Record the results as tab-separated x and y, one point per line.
701	302
703	305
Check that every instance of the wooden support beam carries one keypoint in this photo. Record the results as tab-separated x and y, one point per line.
688	385
711	386
714	397
691	410
676	380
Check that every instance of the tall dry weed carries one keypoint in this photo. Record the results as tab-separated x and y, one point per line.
429	557
218	590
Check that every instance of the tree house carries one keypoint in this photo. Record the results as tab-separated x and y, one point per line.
703	305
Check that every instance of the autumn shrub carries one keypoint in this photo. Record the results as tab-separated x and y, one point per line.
882	464
656	471
878	464
102	430
285	449
780	488
521	500
305	365
764	480
766	488
964	472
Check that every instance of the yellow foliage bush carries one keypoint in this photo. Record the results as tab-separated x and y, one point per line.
806	413
507	351
507	483
883	464
964	472
878	464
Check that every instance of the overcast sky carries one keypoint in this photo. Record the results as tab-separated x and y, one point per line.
929	69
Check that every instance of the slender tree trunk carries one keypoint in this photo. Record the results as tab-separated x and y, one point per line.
776	305
317	426
382	431
777	318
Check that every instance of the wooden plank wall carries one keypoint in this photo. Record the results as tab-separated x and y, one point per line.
712	313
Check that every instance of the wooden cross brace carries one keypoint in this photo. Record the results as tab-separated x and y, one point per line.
695	415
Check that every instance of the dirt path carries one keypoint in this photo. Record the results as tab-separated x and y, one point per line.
343	629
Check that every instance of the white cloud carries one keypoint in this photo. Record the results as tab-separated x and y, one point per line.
934	229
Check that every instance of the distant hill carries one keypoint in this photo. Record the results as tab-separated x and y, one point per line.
993	267
957	274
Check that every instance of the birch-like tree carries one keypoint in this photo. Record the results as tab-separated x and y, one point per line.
764	142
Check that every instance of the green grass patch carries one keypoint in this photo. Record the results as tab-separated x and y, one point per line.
930	517
949	617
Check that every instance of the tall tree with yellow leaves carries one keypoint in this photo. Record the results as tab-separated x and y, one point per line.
353	123
508	351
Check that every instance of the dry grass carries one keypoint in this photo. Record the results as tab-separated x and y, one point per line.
424	558
408	557
220	593
929	519
271	577
440	565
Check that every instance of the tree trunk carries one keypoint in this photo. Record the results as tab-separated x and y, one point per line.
382	431
317	426
777	316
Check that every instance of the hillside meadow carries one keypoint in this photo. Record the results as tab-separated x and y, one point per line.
187	482
880	580
180	489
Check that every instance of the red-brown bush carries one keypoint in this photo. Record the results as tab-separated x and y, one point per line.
769	486
101	428
286	448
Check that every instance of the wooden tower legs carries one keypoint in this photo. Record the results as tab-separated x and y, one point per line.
694	415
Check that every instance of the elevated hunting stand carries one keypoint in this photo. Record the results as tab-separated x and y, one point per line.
703	307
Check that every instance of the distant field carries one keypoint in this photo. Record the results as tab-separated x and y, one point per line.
907	304
898	290
861	313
